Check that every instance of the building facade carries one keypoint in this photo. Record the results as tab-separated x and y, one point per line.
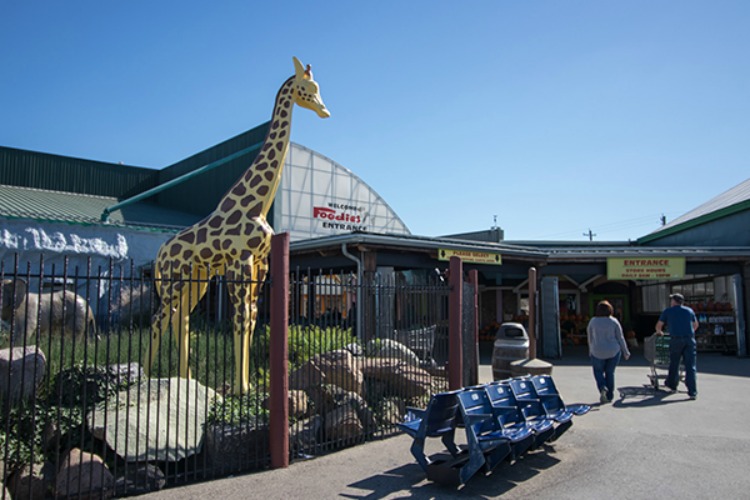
86	214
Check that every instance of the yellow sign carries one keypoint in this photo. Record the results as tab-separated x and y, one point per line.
470	256
645	268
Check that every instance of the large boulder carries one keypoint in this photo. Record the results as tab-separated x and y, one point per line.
235	447
388	348
134	304
34	481
22	370
299	404
402	379
327	397
158	419
354	348
343	424
305	434
124	375
389	411
85	476
337	367
139	479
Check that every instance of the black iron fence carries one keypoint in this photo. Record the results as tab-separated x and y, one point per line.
84	410
360	353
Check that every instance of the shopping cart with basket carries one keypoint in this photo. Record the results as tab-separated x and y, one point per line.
656	351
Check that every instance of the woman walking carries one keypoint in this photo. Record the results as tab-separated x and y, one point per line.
606	345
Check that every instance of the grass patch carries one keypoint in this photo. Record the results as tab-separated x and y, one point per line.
211	351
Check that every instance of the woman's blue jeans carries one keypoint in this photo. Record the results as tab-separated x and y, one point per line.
604	373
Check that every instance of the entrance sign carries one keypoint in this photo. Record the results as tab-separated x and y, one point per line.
645	268
335	216
318	197
470	256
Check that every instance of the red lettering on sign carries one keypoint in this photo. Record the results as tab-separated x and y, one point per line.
334	215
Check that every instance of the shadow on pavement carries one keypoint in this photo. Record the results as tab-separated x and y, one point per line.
644	396
410	478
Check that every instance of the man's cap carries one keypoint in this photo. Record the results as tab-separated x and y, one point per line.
677	297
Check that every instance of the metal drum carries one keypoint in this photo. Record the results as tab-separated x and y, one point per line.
511	344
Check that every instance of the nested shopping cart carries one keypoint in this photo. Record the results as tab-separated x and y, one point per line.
656	351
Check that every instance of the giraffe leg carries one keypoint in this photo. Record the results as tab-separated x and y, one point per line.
238	295
260	269
178	299
169	293
158	323
189	299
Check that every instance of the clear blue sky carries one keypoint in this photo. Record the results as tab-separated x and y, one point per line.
557	116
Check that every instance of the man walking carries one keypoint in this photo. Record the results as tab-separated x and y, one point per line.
682	324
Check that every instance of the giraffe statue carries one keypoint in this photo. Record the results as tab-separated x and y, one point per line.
233	241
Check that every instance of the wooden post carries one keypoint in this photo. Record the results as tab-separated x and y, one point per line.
532	313
455	349
279	352
474	280
531	366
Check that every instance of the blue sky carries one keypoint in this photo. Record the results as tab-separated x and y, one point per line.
555	116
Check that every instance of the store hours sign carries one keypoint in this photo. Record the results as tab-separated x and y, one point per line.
645	268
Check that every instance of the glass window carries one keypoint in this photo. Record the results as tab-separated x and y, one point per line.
655	297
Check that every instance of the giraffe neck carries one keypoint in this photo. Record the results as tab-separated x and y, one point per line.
256	189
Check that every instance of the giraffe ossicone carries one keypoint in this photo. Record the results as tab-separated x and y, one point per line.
232	241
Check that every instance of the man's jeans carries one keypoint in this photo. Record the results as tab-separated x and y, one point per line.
604	373
685	348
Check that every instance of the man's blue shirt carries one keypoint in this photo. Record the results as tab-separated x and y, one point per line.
679	320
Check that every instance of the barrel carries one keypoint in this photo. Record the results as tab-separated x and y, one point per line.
511	344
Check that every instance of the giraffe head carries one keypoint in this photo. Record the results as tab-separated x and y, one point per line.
306	91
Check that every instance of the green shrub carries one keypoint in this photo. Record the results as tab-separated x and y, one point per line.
22	431
307	341
239	410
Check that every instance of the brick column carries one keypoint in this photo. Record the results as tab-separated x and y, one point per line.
279	352
455	349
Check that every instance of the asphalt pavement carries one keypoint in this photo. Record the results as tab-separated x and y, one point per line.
646	444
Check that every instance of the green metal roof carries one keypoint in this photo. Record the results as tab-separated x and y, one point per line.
47	187
32	169
197	195
200	194
74	208
732	201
